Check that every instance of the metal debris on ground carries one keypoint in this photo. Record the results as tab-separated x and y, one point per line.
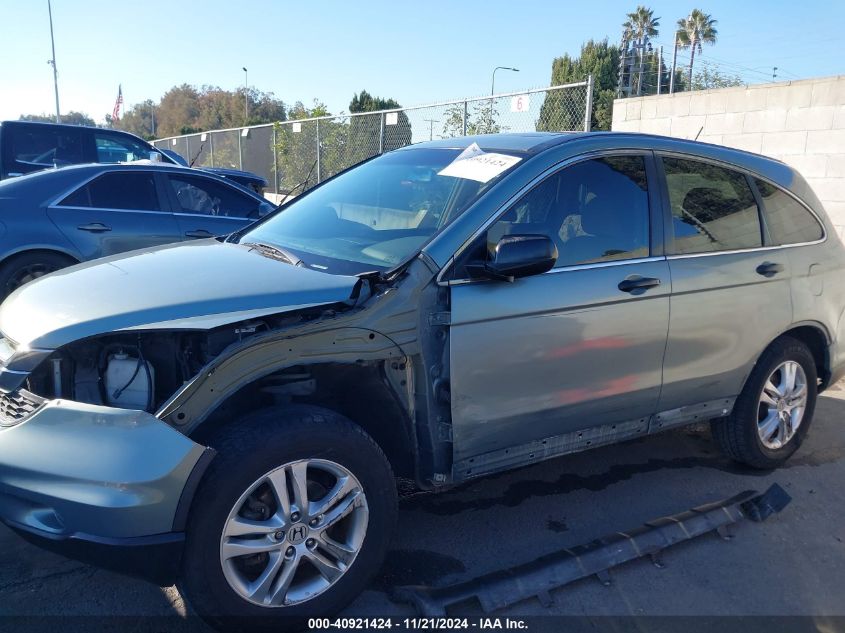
539	577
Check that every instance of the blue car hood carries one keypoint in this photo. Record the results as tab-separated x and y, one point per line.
197	285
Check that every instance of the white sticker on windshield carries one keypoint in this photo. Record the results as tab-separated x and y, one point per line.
475	164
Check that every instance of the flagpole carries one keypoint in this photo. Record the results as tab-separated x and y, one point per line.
52	62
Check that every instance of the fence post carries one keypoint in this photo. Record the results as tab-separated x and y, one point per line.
381	134
318	151
211	146
588	109
275	162
188	149
464	120
240	150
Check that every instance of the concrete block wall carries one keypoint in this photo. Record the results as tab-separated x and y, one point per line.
799	122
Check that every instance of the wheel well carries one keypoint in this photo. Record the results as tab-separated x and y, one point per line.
815	339
360	392
40	251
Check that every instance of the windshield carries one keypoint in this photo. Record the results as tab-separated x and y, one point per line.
375	216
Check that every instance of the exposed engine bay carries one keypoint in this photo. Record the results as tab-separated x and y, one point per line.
140	370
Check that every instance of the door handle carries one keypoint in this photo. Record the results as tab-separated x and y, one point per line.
94	227
769	269
638	284
198	233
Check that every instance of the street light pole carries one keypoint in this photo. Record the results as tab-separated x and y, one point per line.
52	62
492	91
493	82
246	96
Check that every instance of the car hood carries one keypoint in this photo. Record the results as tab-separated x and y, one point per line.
235	173
197	285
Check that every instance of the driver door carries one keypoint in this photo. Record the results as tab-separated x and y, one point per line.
576	347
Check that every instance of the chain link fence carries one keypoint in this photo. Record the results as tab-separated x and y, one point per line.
302	153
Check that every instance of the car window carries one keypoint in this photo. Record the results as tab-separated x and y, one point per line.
596	210
45	146
377	214
112	148
713	208
787	220
204	196
118	190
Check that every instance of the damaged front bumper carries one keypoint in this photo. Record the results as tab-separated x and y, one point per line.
109	486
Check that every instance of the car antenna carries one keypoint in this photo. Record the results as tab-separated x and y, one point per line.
304	182
202	146
700	130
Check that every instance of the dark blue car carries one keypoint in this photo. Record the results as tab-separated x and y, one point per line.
58	217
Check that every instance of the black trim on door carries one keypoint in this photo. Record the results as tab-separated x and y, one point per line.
665	207
657	228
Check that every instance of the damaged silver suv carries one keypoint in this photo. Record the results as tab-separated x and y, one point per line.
230	414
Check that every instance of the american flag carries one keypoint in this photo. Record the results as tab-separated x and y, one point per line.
115	115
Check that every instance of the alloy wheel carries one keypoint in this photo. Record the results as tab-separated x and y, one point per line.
783	401
294	533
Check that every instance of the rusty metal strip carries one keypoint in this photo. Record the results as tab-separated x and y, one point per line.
537	578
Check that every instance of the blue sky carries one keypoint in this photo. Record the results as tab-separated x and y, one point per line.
416	52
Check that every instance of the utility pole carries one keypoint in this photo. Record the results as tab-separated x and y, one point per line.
431	123
659	67
674	63
52	62
623	61
642	47
246	96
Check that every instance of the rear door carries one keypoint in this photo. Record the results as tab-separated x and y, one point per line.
205	207
115	212
730	291
578	347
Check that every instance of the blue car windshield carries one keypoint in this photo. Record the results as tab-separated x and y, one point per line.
374	216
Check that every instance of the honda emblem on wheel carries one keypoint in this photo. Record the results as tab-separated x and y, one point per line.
297	534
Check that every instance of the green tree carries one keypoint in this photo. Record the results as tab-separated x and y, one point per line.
137	120
708	77
187	109
453	125
364	134
696	29
563	110
639	27
296	146
71	118
365	102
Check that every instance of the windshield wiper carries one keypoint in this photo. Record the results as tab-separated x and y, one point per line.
275	252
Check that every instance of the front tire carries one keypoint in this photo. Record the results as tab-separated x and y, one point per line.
21	269
772	415
291	521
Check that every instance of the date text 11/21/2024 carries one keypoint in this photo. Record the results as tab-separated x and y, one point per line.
415	624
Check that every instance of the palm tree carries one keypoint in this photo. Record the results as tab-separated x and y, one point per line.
696	29
641	25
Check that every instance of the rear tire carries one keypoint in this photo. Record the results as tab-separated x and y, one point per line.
272	453
772	415
21	269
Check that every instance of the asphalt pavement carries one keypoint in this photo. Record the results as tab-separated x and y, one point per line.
791	565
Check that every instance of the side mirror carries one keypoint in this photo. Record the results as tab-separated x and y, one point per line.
264	208
521	256
155	157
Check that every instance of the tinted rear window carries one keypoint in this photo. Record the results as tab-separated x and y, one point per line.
787	220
